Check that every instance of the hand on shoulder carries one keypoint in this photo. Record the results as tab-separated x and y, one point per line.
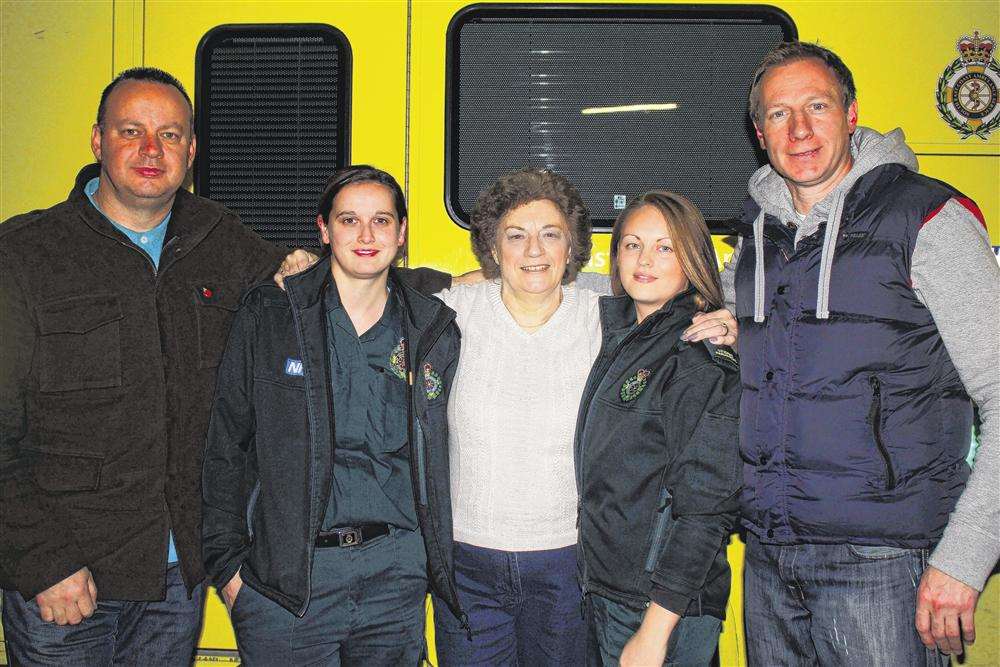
718	327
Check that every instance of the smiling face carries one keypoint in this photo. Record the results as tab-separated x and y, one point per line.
805	129
363	232
649	270
533	248
145	146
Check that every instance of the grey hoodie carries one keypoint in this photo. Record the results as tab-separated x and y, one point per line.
869	150
956	276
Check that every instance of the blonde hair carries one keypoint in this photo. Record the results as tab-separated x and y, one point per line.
692	245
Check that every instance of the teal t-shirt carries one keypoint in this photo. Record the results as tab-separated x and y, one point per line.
151	243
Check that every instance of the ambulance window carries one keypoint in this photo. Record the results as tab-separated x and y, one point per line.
273	122
620	99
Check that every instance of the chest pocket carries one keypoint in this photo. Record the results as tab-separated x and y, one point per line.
79	345
632	391
389	432
216	304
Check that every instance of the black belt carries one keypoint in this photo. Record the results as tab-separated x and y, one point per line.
351	536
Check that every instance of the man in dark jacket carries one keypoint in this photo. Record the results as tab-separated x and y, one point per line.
326	495
114	311
867	297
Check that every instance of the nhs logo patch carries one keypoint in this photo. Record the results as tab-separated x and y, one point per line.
293	366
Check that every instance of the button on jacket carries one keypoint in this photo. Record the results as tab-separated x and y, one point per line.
107	369
854	428
658	462
271	443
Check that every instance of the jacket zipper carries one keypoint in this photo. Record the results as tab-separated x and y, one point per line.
875	417
251	506
590	391
421	464
660	531
415	430
314	519
418	442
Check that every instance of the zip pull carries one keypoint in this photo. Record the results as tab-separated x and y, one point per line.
874	412
875	419
409	377
466	625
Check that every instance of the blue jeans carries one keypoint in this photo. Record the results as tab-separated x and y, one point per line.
119	632
524	608
366	607
692	643
841	604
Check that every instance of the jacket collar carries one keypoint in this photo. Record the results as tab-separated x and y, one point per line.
191	217
306	289
618	312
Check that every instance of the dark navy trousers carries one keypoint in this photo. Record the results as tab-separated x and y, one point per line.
119	633
524	609
366	608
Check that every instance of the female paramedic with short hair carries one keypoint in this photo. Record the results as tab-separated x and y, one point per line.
656	446
327	513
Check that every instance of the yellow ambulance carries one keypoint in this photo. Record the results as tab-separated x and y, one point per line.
446	95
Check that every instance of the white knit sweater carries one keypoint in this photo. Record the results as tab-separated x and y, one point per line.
512	416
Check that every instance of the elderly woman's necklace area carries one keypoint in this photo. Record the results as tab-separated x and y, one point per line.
522	320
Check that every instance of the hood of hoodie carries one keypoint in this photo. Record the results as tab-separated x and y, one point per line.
869	149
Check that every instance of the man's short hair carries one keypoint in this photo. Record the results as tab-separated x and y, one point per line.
151	74
788	52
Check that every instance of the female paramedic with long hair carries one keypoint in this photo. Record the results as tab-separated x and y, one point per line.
656	446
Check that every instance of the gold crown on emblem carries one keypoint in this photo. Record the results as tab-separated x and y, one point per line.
976	49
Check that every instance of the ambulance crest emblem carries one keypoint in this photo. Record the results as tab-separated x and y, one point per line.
433	384
633	386
397	359
967	92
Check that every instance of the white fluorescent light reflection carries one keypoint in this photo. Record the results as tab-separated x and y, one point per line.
669	106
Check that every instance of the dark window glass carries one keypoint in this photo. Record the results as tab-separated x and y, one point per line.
273	122
620	99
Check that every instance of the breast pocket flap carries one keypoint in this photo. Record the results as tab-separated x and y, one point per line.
58	471
79	315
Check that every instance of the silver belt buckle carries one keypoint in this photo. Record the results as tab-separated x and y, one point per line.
349	537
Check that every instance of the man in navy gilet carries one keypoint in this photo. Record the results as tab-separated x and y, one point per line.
867	301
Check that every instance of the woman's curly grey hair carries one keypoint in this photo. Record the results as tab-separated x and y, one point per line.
517	189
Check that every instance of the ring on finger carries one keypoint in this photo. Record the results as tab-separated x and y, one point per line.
726	327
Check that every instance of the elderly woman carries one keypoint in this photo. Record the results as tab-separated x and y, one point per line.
529	337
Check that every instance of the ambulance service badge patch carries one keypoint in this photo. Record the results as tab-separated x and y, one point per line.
433	384
397	359
633	386
967	90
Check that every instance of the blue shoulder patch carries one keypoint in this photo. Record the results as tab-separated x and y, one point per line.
293	366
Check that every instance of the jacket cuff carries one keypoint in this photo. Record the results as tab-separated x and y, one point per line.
966	553
227	573
670	600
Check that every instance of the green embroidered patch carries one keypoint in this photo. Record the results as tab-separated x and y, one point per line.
633	386
397	359
433	384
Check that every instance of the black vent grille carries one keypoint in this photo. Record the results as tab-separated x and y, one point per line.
522	76
273	123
